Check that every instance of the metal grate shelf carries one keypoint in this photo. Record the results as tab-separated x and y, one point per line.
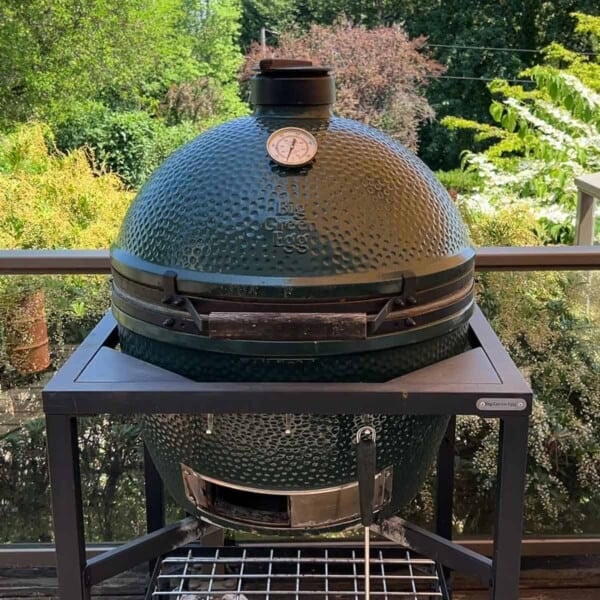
260	573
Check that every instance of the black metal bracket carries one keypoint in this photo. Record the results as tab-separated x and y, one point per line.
171	296
366	462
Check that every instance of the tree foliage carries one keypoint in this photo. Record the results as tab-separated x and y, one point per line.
101	72
584	66
215	27
55	52
510	24
455	25
380	72
274	15
542	139
130	144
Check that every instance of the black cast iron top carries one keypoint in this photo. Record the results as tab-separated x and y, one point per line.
280	82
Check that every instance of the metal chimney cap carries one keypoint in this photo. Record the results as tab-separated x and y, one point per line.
290	82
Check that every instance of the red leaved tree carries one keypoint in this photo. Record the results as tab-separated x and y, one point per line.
380	73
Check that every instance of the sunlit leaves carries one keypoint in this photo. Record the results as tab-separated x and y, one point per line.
544	138
50	201
496	110
125	54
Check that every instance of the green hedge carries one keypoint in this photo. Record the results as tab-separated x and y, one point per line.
131	144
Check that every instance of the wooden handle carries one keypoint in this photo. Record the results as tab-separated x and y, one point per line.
287	326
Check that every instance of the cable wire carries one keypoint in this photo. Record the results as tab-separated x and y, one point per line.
467	78
501	49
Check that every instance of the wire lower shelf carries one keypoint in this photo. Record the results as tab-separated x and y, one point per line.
295	573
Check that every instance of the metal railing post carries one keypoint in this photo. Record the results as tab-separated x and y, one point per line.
588	190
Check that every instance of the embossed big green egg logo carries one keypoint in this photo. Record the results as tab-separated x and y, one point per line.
289	228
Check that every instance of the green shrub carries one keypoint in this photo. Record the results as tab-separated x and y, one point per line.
50	201
458	180
111	475
548	321
131	144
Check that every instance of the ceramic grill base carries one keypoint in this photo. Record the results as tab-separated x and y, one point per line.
254	451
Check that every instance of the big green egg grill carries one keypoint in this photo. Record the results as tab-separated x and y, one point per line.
292	245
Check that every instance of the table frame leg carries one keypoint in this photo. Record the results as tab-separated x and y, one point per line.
512	468
445	490
67	512
154	498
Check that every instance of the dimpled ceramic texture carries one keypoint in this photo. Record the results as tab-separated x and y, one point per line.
220	205
255	451
364	206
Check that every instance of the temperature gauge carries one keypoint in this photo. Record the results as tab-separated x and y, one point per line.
292	146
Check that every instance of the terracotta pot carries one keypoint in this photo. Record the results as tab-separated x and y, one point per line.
27	332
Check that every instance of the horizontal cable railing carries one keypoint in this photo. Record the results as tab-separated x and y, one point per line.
501	258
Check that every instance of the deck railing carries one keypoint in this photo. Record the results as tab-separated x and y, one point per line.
588	192
539	258
499	258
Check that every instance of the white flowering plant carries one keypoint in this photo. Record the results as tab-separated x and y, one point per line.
543	139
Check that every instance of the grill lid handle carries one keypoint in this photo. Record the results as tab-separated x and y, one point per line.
280	326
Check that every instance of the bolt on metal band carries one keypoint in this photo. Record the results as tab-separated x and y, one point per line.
367	432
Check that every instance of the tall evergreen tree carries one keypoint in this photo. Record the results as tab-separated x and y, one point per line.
273	15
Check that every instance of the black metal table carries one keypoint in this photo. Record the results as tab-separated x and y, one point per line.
98	379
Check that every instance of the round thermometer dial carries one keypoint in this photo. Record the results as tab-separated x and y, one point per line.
292	146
